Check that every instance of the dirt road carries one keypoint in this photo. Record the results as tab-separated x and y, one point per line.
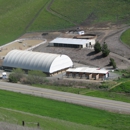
109	105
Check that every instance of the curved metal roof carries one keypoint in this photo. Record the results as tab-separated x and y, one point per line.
37	61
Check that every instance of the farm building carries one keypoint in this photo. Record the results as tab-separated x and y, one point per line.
74	43
88	73
45	62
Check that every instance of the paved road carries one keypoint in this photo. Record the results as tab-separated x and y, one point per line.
104	104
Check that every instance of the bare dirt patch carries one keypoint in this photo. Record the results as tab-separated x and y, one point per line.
22	44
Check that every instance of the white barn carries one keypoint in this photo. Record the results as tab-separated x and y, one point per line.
88	73
74	43
45	62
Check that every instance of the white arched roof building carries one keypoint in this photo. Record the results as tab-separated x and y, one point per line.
46	62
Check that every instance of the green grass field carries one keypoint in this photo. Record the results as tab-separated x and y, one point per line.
125	37
19	17
46	123
64	111
16	16
96	11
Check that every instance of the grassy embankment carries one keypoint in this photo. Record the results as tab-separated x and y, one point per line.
19	17
46	123
113	95
125	37
63	111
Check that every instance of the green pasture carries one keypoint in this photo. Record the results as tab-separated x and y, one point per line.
15	16
46	123
19	17
93	11
48	22
125	37
64	111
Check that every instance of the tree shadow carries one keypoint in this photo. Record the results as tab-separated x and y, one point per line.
108	65
91	53
97	57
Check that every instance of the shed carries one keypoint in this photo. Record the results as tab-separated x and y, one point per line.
70	42
89	73
28	60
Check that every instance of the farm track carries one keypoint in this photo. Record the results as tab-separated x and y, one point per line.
115	34
58	14
36	15
120	50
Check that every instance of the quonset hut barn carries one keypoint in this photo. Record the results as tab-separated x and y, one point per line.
45	62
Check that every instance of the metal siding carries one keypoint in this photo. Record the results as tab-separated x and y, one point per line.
36	61
61	62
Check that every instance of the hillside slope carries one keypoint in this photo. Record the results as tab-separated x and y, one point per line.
19	17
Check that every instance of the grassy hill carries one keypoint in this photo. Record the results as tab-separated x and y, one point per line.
19	17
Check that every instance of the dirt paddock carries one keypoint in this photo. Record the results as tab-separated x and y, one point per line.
20	44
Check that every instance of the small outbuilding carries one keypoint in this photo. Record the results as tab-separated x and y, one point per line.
76	31
45	62
73	43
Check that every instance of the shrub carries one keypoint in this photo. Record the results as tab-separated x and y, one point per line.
97	47
16	75
13	78
112	63
36	77
105	50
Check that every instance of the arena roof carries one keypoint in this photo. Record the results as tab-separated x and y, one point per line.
45	62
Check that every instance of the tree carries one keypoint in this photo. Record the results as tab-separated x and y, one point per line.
105	50
97	47
112	63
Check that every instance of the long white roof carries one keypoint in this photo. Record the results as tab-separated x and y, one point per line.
45	62
70	41
88	70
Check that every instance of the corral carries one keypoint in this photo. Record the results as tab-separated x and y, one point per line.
20	44
86	36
